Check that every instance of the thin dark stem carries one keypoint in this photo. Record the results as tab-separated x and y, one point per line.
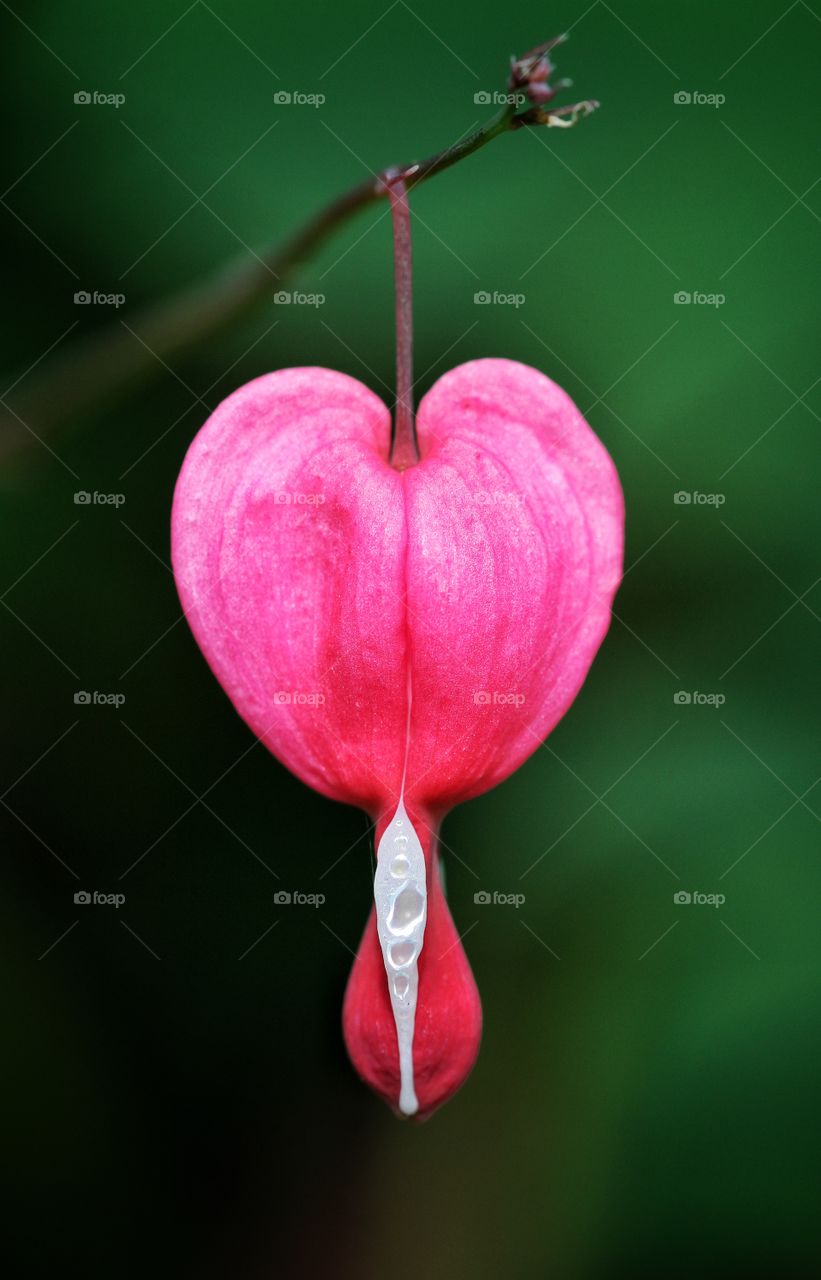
404	446
502	122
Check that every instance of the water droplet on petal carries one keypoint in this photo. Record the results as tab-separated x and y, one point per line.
401	953
406	910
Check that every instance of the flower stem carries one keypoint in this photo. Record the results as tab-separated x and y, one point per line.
404	446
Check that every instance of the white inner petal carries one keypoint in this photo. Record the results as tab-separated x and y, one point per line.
400	894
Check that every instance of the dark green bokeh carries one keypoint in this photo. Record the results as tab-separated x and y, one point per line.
644	1104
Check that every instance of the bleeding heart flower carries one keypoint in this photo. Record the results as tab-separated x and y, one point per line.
403	621
401	640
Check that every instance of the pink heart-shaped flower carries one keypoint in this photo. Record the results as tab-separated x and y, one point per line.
401	637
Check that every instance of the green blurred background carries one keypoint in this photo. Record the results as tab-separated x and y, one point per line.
178	1097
